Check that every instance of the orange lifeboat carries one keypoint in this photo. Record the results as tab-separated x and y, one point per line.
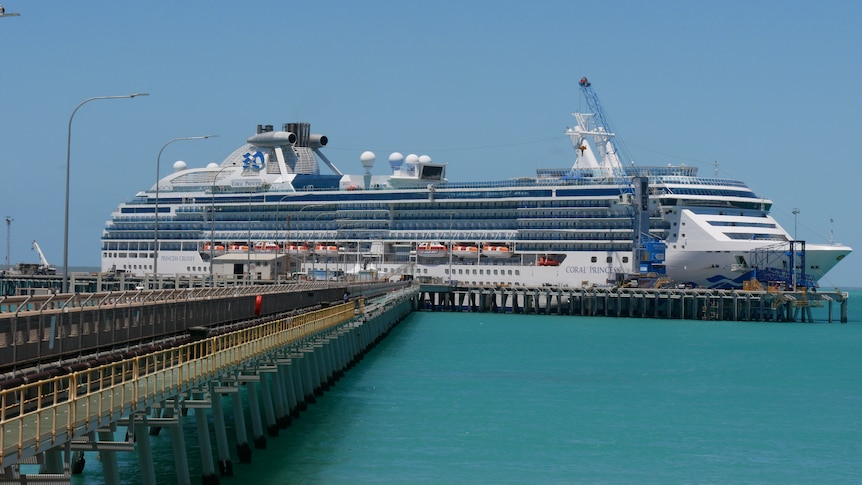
326	250
300	250
237	247
465	251
266	246
545	261
217	247
431	250
493	251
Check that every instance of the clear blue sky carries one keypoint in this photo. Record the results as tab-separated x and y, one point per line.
770	90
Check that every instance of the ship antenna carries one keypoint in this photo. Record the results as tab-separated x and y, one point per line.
831	233
715	168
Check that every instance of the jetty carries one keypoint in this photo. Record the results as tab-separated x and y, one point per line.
761	305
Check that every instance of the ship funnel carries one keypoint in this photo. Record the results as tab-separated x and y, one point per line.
272	139
317	141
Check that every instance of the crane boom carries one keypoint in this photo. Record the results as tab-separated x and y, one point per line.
44	266
601	128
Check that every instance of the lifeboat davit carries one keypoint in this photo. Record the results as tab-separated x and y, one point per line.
493	251
465	251
326	250
431	250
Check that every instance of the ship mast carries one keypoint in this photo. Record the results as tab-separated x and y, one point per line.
596	126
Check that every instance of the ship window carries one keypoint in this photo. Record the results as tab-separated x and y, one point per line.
593	259
517	272
625	259
495	272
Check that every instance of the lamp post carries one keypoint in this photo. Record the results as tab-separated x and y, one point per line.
68	170
795	213
311	248
248	246
286	241
156	231
3	13
212	221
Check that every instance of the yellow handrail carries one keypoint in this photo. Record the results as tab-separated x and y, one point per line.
79	402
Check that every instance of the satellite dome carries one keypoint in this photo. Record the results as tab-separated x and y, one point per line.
424	159
367	158
410	163
212	165
179	166
395	160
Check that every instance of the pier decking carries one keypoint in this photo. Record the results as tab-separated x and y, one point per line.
670	303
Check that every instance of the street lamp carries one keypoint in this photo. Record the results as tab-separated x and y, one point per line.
303	267
795	213
68	169
3	13
212	220
156	232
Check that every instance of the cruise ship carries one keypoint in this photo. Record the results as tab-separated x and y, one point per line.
269	211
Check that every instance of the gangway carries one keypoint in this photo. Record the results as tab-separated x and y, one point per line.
782	263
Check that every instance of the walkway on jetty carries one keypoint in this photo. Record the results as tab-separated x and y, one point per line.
669	303
283	362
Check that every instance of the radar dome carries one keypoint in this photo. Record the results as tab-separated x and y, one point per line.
367	158
179	165
410	162
212	165
424	159
395	160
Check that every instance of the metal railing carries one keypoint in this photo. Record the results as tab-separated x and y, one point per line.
41	415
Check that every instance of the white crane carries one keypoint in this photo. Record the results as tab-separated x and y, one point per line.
44	266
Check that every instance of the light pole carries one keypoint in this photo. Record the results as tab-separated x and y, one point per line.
248	247
68	170
3	13
156	231
286	241
795	213
212	221
311	248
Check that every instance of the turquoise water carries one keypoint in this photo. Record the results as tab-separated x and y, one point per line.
486	398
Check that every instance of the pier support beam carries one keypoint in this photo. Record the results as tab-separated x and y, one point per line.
254	407
145	451
110	469
225	466
208	474
243	450
269	412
